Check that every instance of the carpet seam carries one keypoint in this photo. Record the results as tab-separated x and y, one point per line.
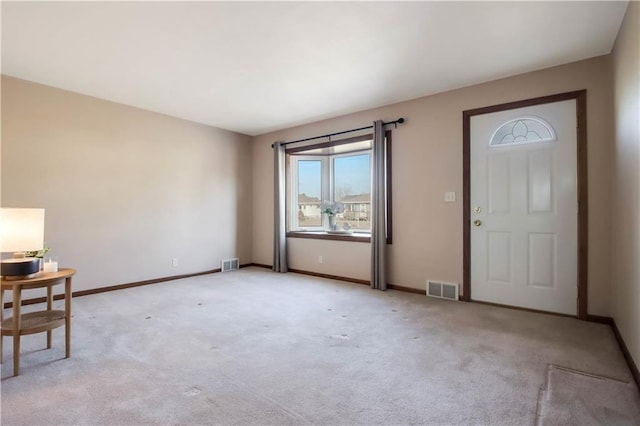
587	374
542	392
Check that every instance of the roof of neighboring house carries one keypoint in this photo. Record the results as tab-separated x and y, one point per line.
304	198
360	198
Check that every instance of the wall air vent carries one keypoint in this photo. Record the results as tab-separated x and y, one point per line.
442	290
230	265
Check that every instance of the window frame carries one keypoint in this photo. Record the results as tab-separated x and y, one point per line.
292	218
332	179
327	187
319	232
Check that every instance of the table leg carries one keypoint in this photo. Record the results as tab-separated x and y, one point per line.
67	312
17	296
49	307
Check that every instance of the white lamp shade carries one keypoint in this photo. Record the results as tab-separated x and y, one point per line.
21	229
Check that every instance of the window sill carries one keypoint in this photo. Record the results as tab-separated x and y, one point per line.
322	235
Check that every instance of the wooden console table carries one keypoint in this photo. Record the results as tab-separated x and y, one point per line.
40	321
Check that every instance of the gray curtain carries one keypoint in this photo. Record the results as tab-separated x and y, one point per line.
378	209
279	226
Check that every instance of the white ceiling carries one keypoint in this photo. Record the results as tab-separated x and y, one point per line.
254	67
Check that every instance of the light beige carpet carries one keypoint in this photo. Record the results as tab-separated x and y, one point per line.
256	347
578	399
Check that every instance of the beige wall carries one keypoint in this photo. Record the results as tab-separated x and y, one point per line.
625	221
427	161
125	190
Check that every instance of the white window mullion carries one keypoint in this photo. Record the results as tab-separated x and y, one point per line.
326	186
292	178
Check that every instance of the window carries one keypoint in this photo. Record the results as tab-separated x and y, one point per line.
523	130
309	183
352	187
336	173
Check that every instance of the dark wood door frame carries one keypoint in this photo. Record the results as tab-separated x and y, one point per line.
581	118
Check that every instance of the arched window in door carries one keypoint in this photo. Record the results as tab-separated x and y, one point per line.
523	130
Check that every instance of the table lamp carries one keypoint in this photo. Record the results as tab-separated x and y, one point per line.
21	230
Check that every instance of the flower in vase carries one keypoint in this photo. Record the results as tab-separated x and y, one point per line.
332	208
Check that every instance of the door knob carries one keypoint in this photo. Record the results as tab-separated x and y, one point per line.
477	222
477	209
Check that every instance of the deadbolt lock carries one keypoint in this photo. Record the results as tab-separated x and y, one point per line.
477	209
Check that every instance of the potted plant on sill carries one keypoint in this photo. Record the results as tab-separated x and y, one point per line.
332	209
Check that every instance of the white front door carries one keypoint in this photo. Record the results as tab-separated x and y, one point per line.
524	207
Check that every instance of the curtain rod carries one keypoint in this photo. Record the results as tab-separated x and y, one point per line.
396	122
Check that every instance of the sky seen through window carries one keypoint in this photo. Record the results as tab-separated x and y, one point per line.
351	174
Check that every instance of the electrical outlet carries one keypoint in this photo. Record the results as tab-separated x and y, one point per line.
320	260
174	262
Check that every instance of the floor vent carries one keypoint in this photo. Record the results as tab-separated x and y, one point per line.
442	290
230	265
